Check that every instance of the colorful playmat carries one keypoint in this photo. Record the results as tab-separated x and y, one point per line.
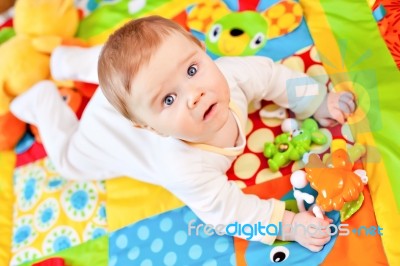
343	44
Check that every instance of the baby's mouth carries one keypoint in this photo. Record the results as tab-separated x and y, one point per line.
209	111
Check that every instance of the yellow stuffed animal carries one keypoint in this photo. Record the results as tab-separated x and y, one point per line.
40	26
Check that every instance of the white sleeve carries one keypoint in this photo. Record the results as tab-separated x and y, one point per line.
214	199
75	63
260	78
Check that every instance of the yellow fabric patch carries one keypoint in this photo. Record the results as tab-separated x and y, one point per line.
52	213
7	163
129	201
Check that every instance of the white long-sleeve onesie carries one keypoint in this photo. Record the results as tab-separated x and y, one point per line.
103	144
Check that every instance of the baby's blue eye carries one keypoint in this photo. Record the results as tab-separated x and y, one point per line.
192	70
169	100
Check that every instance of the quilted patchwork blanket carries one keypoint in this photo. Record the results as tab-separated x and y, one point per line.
46	218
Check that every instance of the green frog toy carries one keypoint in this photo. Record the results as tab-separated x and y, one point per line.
291	146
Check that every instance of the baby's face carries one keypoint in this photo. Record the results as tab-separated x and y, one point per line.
181	93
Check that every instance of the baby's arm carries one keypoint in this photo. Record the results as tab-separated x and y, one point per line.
215	200
260	78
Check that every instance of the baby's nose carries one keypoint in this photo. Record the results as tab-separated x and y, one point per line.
194	98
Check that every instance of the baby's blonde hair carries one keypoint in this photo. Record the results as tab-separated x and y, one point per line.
126	50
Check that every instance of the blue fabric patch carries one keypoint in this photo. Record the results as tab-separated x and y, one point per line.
286	45
165	240
379	13
232	4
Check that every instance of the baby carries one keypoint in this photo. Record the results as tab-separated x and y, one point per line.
168	115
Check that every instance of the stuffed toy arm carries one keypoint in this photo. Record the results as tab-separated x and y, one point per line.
75	63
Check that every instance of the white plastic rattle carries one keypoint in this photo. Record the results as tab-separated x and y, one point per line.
298	180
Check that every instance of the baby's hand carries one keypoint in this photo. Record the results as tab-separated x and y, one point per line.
336	107
306	229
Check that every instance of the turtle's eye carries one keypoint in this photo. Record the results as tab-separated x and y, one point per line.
278	254
215	32
257	41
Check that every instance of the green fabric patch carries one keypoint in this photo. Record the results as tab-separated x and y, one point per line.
107	16
372	69
93	252
6	34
